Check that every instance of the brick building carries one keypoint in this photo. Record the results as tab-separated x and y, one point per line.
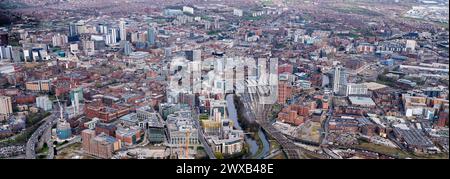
105	113
284	92
102	145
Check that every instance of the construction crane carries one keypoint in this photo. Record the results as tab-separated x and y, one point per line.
188	134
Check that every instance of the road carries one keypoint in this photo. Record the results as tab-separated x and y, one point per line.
30	151
201	135
74	140
325	126
273	154
324	136
260	113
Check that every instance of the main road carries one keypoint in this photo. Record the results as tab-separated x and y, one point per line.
201	135
30	151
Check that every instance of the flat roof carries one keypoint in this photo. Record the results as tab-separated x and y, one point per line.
358	100
374	86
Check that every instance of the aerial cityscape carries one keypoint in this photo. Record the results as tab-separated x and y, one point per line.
224	79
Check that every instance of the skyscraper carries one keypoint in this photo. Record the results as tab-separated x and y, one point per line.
127	48
339	80
123	30
151	36
102	28
5	105
72	29
193	55
113	32
6	52
76	96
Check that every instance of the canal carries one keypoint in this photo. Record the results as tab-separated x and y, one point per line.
253	144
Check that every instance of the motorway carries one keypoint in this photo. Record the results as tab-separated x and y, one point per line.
30	151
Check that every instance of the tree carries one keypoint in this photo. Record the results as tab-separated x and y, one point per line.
218	155
319	103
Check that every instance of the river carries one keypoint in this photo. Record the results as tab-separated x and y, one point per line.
253	145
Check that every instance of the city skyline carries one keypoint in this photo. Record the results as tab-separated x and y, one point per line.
224	79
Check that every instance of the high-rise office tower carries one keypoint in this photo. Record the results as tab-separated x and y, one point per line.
113	32
2	51
339	80
193	55
216	23
151	36
102	28
8	52
76	97
127	48
123	30
72	30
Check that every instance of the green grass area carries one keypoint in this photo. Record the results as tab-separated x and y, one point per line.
14	43
41	157
382	79
357	10
440	24
443	25
44	149
395	152
207	18
433	156
218	155
35	118
384	150
266	2
201	153
279	156
274	145
214	32
202	117
62	143
56	49
258	140
351	35
275	110
22	137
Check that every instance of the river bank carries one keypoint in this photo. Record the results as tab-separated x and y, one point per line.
255	139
